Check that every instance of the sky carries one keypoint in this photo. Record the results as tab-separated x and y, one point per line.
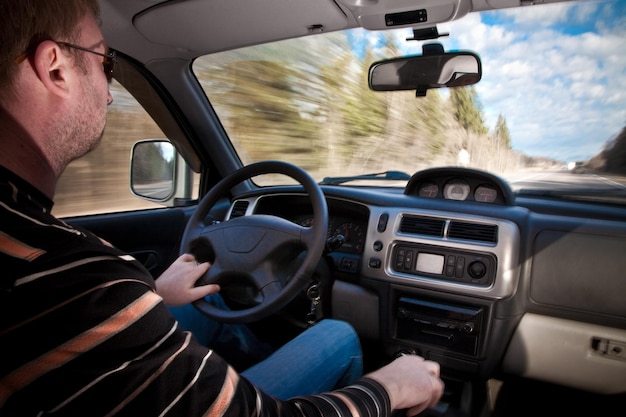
560	84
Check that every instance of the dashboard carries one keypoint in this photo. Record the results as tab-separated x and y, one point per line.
458	269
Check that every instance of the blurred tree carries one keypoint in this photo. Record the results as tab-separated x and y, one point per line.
468	109
365	110
615	153
501	133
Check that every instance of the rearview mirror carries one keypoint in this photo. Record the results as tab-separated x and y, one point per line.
424	72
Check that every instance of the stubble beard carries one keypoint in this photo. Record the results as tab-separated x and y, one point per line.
82	131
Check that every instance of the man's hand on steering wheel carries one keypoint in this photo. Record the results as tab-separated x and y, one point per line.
177	284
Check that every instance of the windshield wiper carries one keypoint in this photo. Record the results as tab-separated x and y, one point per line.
387	175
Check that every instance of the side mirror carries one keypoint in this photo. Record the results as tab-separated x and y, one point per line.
152	170
423	72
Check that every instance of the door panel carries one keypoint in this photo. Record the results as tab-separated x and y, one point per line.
151	236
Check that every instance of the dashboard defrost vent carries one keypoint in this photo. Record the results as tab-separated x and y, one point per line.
422	226
239	209
473	231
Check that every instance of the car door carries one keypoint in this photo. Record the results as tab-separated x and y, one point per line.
150	236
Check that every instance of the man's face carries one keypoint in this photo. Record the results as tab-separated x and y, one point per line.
88	119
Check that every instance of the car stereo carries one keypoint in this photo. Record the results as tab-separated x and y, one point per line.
454	327
448	264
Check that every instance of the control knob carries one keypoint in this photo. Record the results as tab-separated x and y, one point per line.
477	269
466	327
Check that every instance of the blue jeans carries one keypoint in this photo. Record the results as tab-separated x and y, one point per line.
323	357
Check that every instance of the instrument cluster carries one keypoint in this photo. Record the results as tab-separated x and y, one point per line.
460	184
345	218
459	189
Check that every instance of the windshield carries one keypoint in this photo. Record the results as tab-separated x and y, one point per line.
550	107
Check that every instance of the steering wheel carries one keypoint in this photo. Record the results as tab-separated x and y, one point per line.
261	262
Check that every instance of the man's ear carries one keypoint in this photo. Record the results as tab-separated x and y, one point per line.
53	68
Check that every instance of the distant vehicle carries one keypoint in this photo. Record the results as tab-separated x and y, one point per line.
576	167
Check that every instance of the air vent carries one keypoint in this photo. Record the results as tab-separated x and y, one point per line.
239	209
422	226
473	231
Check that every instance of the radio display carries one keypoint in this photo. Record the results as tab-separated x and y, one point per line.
429	263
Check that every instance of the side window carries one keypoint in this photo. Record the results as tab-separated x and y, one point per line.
99	181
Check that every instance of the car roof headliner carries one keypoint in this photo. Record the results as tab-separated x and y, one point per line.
151	30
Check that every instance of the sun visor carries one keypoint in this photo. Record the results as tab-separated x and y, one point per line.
389	14
200	25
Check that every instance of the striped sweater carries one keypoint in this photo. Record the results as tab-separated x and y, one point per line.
84	333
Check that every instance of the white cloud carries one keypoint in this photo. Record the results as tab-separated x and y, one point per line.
554	87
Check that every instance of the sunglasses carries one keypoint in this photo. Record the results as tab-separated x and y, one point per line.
107	64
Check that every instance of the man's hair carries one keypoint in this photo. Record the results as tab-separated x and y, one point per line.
25	23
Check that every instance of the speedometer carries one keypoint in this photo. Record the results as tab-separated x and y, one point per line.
456	189
353	235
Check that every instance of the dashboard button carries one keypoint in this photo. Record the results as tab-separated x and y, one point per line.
348	264
408	260
382	222
399	258
375	263
460	267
